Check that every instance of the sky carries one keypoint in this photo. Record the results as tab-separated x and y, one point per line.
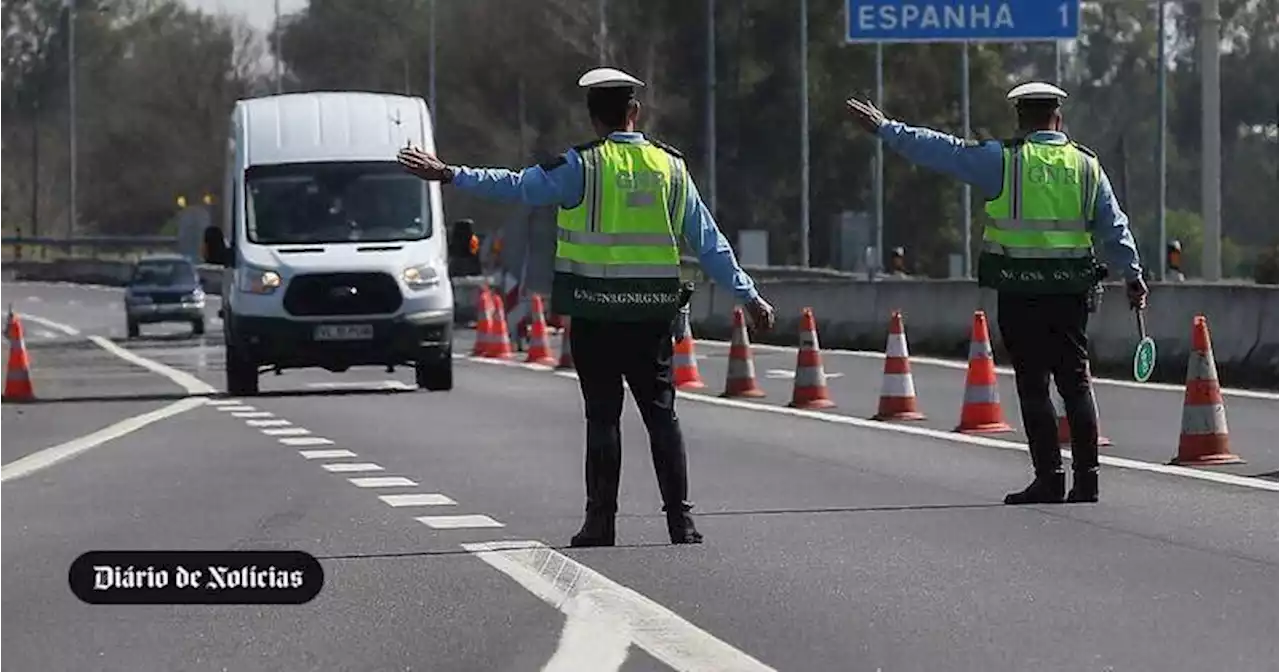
259	13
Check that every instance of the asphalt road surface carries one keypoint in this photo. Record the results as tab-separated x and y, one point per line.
440	520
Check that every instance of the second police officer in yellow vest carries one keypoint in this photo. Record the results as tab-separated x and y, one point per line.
626	202
1050	206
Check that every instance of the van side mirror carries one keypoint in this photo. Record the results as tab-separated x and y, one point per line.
215	247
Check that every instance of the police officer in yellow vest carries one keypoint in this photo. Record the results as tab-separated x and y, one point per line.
1051	205
626	201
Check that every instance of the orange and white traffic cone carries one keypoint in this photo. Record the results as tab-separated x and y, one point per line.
539	347
17	379
1204	439
484	326
981	412
566	346
897	389
811	380
500	348
740	381
685	363
1064	427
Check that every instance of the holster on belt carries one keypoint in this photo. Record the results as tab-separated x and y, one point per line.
680	325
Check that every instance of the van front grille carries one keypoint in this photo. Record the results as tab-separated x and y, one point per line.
342	294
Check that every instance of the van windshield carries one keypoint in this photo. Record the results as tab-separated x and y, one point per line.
335	203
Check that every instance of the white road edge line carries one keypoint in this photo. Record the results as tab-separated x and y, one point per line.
50	456
1003	370
66	329
1123	463
585	595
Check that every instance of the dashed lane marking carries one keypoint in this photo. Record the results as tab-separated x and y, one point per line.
272	422
585	595
326	454
225	402
286	431
1166	469
416	500
351	467
64	328
382	482
232	409
304	441
458	522
252	414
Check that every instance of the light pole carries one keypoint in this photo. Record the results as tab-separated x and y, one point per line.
71	117
1211	141
1162	188
804	133
279	56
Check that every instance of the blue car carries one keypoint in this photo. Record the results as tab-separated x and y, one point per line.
164	289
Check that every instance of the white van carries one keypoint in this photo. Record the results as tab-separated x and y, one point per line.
335	256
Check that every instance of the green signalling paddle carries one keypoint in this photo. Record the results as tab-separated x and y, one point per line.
1144	356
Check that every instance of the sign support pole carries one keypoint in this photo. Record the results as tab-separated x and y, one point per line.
967	201
879	170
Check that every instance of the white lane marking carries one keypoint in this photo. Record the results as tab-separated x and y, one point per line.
365	385
273	422
1002	370
416	500
33	299
591	639
351	467
286	431
304	441
50	456
192	384
73	302
252	414
567	585
229	409
1166	469
381	482
457	522
45	334
225	402
790	375
326	454
66	329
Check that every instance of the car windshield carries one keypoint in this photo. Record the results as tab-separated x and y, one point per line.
164	273
335	202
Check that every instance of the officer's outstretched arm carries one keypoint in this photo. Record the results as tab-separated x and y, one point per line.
556	182
980	164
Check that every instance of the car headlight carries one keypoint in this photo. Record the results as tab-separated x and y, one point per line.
421	277
197	295
257	280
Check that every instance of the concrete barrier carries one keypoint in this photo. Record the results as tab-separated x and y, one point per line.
939	315
854	314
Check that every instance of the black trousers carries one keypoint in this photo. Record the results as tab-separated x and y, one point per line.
606	353
1045	335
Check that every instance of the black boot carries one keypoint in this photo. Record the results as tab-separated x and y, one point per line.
1084	486
597	530
680	527
1046	489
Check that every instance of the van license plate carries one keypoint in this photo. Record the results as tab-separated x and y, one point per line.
344	332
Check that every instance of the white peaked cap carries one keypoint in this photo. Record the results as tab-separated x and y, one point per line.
1037	91
602	78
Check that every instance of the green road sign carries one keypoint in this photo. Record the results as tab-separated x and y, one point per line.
1144	360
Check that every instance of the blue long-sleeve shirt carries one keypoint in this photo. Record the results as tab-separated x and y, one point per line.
561	183
982	166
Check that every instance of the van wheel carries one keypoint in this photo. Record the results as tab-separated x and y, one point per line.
242	374
133	329
434	371
197	327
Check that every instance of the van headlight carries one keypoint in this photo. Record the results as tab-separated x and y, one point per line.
257	280
421	277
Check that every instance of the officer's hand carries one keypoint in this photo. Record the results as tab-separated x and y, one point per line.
1137	290
424	164
761	313
865	114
